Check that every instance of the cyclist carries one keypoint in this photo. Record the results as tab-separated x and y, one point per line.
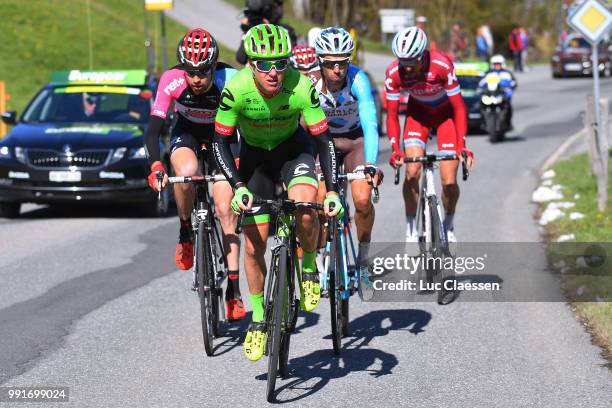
346	97
194	85
435	102
266	99
507	82
303	58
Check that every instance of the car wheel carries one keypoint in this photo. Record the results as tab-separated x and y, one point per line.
10	210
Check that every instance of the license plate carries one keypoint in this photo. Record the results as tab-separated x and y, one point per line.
573	67
64	176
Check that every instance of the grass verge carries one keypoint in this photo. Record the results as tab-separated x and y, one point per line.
42	36
580	188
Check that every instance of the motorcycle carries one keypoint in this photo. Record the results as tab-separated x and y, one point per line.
494	109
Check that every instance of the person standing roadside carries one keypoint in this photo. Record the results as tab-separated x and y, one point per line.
525	43
458	45
516	46
482	47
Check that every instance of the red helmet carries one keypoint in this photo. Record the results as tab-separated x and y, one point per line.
303	57
197	49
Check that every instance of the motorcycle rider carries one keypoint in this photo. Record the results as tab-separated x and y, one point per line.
507	82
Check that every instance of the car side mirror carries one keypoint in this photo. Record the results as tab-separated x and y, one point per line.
10	118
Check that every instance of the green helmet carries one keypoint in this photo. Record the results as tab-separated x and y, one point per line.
267	41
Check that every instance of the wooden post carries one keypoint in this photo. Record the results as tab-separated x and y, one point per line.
3	128
604	149
589	125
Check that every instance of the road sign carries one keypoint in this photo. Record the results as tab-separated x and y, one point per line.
156	5
592	19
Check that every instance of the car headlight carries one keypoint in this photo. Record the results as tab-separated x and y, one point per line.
486	99
20	154
138	153
118	154
556	58
5	152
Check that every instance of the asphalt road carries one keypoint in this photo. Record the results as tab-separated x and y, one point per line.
90	299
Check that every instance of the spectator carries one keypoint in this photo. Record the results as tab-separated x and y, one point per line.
421	22
516	46
482	47
458	45
525	42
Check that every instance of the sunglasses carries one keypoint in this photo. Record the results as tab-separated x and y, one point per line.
92	101
409	62
202	73
331	64
267	65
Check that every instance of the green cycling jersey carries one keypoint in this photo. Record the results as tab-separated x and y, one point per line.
267	122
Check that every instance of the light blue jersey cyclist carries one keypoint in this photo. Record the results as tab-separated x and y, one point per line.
346	97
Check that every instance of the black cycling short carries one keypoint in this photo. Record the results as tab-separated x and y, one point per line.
184	139
292	163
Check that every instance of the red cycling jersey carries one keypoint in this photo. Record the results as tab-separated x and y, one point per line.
435	101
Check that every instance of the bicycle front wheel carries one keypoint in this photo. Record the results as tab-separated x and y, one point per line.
335	294
204	270
279	305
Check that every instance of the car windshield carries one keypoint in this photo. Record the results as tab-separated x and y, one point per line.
468	81
576	42
93	104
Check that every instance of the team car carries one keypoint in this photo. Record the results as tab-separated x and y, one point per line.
468	75
80	139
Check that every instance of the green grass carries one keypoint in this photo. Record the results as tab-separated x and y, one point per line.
596	226
41	36
574	176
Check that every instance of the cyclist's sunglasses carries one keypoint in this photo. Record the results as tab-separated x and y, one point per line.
331	64
92	100
198	72
267	65
409	62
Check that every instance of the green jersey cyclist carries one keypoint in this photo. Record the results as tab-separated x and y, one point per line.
266	99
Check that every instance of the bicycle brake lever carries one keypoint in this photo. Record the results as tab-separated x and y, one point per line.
465	171
397	176
160	179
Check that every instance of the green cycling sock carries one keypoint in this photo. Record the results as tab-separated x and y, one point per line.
257	303
309	261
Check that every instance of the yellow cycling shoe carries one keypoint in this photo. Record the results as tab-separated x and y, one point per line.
310	293
255	341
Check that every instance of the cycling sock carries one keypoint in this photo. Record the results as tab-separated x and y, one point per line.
257	303
185	231
364	249
309	263
233	285
410	225
448	222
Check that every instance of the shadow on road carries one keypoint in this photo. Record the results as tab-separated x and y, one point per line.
310	373
91	211
232	335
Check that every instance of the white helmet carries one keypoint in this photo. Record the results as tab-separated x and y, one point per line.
334	40
410	43
498	59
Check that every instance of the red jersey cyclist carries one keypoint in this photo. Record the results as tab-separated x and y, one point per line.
435	102
194	85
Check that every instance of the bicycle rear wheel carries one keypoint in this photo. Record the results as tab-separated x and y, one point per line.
439	250
275	325
205	277
335	295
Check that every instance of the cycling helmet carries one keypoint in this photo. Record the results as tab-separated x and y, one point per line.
197	49
410	43
267	41
334	40
498	59
303	57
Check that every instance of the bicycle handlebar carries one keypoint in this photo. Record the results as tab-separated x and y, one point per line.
278	205
196	179
356	175
432	158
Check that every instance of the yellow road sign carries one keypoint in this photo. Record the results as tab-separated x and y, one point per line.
156	5
592	19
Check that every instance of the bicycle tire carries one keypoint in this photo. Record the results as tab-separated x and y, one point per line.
274	331
290	317
345	317
203	267
335	298
216	293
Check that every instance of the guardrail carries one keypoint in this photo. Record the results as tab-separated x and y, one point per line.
598	142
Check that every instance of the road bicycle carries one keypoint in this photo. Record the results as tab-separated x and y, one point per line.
432	237
281	302
341	276
210	263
